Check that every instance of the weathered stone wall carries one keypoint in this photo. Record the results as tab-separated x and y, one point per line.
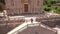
50	21
8	25
17	6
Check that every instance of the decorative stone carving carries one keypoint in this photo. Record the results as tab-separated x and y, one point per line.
38	3
12	2
25	1
29	1
34	6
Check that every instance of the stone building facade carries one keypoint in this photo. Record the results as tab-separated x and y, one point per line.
17	7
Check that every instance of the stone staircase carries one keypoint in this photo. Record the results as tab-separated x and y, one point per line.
30	28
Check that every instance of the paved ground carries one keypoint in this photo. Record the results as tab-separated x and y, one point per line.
58	30
28	21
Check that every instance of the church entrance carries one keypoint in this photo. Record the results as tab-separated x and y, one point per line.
25	8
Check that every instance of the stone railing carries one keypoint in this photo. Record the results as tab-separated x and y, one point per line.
19	28
42	25
25	25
